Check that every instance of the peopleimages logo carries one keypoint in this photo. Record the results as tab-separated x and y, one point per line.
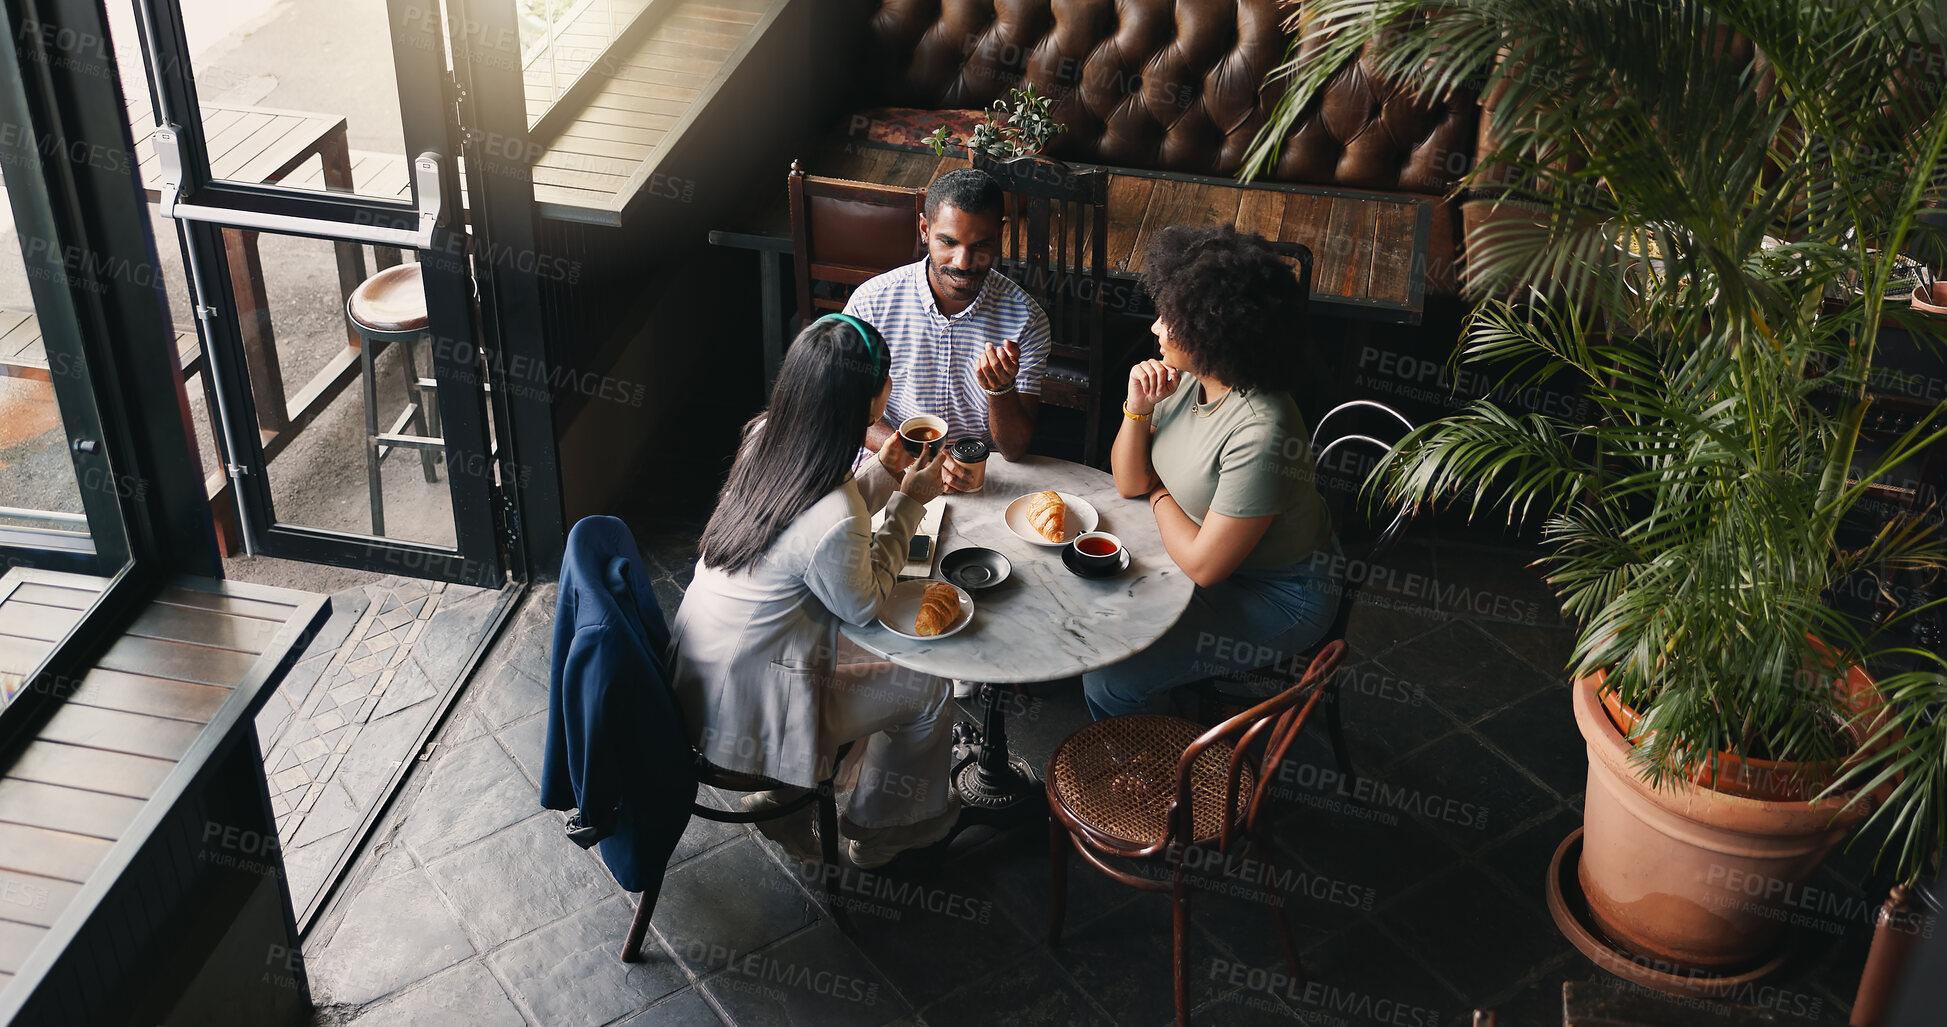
1318	995
1748	993
84	266
1803	904
1409	377
1254	880
1372	792
19	892
773	971
885	896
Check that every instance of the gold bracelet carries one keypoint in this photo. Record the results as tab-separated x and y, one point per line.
1132	415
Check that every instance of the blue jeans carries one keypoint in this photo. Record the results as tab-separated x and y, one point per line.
1252	619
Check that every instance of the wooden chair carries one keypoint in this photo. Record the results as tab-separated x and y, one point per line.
1342	458
1055	246
1153	789
710	774
664	761
844	233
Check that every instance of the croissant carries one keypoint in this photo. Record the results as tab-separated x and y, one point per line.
939	607
1048	515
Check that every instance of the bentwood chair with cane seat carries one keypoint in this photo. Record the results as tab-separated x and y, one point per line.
1145	789
1346	447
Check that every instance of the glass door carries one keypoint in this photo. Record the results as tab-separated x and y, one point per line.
313	183
99	498
60	493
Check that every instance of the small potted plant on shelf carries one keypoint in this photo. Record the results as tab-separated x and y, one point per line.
1700	524
1016	127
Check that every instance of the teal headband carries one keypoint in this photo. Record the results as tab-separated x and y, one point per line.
865	332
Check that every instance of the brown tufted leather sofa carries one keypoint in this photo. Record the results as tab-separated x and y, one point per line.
1172	85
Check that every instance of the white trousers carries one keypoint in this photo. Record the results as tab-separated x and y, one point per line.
902	724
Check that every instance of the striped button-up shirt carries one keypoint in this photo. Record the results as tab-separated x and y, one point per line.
933	355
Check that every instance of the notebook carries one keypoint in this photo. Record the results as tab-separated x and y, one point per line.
929	526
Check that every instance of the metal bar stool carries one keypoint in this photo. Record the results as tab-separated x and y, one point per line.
390	307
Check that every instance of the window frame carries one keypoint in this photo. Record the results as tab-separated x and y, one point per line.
124	391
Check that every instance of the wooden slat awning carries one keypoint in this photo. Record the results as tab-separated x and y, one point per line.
600	151
195	661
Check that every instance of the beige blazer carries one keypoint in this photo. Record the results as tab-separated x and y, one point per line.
752	651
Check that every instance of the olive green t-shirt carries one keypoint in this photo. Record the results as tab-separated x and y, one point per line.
1246	455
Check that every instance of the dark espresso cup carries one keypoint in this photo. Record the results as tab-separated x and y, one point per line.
1098	551
922	433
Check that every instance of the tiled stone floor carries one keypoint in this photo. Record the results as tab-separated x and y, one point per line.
351	709
469	905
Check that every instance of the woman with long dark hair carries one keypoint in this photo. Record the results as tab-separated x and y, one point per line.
768	684
1212	436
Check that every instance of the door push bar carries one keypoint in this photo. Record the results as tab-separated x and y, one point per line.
425	180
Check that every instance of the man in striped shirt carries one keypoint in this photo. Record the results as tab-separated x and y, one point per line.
968	345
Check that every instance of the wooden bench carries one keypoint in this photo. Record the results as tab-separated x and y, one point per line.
1162	86
1369	249
373	174
36	611
24	355
140	879
258	145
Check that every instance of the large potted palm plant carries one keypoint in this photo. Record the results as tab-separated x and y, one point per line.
1683	206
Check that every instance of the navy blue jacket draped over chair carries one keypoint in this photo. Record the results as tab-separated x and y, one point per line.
617	749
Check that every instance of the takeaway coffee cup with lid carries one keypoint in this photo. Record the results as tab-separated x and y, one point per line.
971	455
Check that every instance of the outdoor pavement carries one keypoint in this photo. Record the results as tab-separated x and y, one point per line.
331	58
470	906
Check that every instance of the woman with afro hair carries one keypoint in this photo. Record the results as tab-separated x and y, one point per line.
1213	439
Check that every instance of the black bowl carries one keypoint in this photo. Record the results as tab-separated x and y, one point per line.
974	568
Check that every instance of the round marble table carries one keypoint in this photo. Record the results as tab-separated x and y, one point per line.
1043	623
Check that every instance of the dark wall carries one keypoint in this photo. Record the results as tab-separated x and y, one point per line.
659	332
655	333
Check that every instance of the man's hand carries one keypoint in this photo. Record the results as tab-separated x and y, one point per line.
998	365
1149	382
1010	415
956	477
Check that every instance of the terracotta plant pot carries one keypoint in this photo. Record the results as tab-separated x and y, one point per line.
1931	299
1693	877
1769	780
